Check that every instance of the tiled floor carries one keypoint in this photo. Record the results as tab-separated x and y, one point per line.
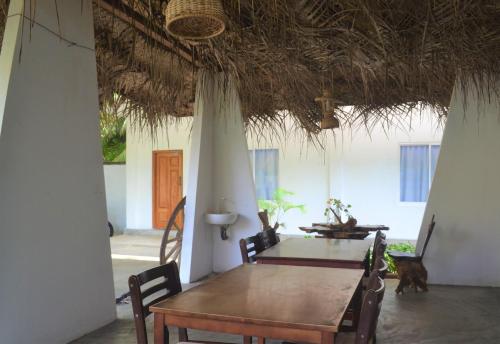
443	315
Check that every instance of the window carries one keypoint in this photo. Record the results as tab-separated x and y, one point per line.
417	167
265	171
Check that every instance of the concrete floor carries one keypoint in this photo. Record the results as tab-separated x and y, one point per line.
443	315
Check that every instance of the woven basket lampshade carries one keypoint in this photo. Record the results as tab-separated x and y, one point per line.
195	19
326	101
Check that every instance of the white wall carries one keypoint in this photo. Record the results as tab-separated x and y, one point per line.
464	248
140	147
232	179
116	202
303	170
365	172
361	169
55	262
297	158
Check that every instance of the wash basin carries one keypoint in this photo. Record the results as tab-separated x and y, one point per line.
221	219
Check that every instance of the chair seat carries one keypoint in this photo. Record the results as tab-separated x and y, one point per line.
397	255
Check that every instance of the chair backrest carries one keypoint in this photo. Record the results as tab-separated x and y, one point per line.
378	250
381	267
370	310
429	233
378	237
268	238
167	284
249	247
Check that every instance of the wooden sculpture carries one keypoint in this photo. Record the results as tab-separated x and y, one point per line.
411	274
411	270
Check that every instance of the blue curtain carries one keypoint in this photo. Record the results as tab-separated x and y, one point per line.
434	158
414	173
266	172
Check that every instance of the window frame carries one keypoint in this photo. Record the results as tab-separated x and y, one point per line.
429	145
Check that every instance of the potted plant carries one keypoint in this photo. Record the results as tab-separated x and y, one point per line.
279	205
339	210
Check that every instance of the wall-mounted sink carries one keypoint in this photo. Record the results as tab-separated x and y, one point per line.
223	220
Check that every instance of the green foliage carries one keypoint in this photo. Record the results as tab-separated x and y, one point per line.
279	205
113	138
337	208
401	247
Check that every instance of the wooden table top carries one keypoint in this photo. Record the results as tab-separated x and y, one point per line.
286	296
318	249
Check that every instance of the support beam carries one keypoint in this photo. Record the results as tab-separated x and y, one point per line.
132	18
55	262
464	248
220	179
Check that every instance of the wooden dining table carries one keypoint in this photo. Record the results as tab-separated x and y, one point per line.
294	303
332	253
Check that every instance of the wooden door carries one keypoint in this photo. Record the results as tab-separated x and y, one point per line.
167	185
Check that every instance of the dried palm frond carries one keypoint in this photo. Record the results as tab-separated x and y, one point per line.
382	58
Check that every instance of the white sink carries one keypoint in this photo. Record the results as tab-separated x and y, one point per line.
221	219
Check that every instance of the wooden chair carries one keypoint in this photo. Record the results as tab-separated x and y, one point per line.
370	311
379	236
378	252
370	282
411	270
396	255
168	284
268	238
249	247
381	267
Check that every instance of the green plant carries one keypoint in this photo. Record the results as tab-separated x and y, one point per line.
335	206
402	247
279	205
113	138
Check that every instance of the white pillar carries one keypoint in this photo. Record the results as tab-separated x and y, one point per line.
464	248
56	278
219	168
196	253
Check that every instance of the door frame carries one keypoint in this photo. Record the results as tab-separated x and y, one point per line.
153	181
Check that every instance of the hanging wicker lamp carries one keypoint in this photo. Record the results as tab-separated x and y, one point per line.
326	101
195	19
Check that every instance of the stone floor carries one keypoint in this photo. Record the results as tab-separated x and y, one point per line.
443	315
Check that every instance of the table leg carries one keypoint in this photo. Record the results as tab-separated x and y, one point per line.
159	328
357	302
247	340
261	340
183	336
327	338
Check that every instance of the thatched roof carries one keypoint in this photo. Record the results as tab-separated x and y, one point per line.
382	57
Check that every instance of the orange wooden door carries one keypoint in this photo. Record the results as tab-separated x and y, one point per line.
167	185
